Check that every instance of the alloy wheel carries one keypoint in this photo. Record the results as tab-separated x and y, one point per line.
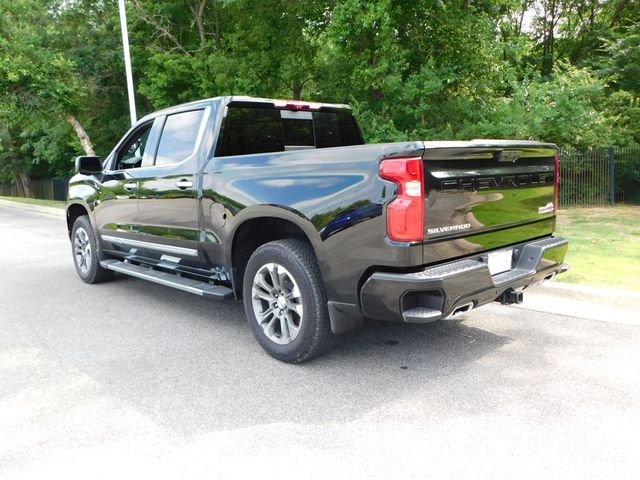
277	303
82	250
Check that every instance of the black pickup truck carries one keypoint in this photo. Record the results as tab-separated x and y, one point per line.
280	204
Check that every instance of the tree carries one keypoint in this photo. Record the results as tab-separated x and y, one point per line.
199	49
557	70
36	83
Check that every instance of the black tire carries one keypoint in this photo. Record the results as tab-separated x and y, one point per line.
91	271
314	336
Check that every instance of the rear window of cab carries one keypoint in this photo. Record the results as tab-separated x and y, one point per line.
249	130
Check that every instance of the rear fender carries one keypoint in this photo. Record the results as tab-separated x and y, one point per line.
273	211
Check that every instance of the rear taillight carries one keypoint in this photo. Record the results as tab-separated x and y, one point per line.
557	185
405	213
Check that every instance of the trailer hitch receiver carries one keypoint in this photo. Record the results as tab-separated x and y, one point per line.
511	296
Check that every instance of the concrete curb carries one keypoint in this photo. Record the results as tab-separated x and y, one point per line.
51	211
585	301
590	290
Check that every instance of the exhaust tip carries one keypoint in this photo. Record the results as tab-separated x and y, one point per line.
467	307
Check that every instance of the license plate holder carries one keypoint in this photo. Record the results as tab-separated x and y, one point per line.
500	261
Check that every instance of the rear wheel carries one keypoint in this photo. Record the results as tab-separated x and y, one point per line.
285	301
85	252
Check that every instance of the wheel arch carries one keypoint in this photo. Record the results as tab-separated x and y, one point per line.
74	210
256	226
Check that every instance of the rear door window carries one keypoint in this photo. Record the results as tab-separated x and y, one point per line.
249	130
179	135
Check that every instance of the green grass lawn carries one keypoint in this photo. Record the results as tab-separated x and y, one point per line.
36	201
604	246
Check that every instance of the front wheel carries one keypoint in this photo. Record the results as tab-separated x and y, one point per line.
285	301
85	252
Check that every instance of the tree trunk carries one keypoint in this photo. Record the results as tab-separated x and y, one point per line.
374	92
297	90
19	187
216	25
521	15
25	180
620	6
85	141
198	13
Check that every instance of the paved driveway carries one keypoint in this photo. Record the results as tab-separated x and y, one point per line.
134	379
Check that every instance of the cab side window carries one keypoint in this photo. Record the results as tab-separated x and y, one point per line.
131	153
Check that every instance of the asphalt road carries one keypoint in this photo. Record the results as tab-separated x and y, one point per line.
131	379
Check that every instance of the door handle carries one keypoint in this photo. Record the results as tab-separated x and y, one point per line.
130	186
184	184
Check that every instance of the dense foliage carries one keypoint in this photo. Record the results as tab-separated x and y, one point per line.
565	71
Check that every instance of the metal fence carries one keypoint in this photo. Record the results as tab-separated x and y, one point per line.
599	176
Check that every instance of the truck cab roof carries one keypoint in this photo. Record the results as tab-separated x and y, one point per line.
246	100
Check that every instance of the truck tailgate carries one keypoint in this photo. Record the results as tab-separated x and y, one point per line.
484	194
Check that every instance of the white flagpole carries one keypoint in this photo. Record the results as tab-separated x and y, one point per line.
127	60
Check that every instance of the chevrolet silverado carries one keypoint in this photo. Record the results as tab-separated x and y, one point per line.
281	205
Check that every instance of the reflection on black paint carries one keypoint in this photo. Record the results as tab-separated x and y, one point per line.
346	217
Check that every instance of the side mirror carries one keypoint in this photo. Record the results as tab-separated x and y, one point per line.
88	165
